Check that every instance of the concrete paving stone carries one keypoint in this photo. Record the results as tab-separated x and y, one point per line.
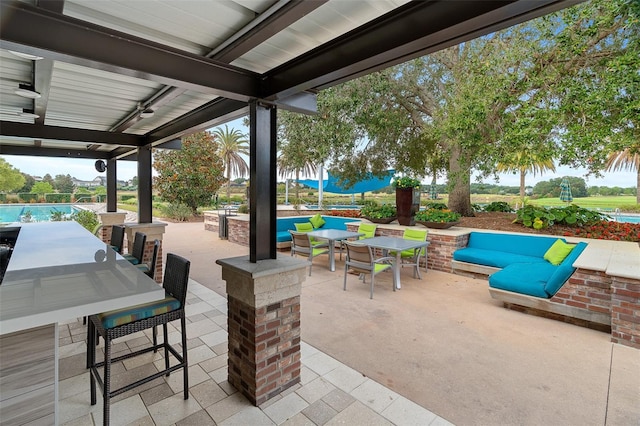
136	343
299	420
130	376
73	385
319	412
624	394
271	401
338	399
72	349
227	387
78	338
286	408
405	412
77	406
200	328
227	407
219	375
306	375
63	331
321	363
207	393
199	418
214	363
71	365
156	394
137	361
439	421
144	421
307	350
250	416
315	390
80	421
198	308
123	412
198	354
374	395
197	317
215	337
196	375
345	378
65	341
217	317
173	409
358	414
221	348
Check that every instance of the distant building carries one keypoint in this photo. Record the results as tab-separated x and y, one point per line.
98	181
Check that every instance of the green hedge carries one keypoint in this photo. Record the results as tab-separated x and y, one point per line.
3	198
58	198
27	197
126	197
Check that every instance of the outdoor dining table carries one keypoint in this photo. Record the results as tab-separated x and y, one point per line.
333	235
398	245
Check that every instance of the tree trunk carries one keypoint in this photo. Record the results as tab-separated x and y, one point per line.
228	182
459	184
297	185
522	173
638	185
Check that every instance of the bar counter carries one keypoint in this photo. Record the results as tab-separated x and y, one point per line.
57	271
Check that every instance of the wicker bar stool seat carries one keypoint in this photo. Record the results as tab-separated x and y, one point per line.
137	252
122	322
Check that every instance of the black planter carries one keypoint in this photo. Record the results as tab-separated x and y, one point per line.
407	204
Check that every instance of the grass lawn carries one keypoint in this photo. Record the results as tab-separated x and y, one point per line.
608	202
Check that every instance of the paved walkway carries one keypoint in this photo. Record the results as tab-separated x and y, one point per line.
438	349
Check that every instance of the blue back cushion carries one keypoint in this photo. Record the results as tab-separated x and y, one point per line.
524	278
518	244
337	222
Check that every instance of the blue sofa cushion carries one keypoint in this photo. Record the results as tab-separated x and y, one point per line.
525	245
495	258
282	236
284	224
524	278
563	271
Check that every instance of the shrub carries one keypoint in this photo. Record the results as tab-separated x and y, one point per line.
477	207
28	197
3	198
126	197
86	218
243	208
177	211
437	215
58	198
379	212
435	205
498	206
538	217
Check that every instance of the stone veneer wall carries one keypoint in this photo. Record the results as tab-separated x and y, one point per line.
586	289
264	348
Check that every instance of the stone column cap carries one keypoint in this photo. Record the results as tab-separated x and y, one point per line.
262	268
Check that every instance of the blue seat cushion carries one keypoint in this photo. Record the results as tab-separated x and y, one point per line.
132	259
497	259
282	236
138	312
524	278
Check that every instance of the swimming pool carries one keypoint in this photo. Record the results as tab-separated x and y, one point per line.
627	218
34	212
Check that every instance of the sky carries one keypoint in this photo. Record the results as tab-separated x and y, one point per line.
84	169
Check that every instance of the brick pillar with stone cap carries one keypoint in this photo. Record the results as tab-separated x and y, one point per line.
263	324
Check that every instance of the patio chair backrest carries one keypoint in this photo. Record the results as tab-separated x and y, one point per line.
117	238
176	277
359	256
154	259
300	240
369	230
139	241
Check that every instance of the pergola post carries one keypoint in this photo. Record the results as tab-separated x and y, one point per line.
262	191
112	186
144	184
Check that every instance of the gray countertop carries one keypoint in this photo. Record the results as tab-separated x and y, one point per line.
59	271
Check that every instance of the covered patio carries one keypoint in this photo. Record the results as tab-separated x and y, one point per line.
438	351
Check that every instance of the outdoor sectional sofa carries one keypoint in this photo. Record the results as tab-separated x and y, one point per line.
517	262
285	224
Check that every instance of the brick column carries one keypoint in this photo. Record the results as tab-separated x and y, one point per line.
108	220
263	324
153	231
625	311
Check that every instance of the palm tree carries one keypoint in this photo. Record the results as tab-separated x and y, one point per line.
232	144
524	162
294	158
627	159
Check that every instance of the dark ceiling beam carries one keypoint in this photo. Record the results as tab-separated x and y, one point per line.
410	31
199	119
66	39
36	131
43	68
53	152
270	22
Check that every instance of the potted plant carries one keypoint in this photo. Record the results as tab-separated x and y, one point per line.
379	214
438	219
407	199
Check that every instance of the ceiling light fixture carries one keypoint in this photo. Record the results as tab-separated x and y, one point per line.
145	112
27	91
25	55
28	113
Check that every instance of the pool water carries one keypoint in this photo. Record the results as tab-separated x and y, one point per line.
33	212
625	218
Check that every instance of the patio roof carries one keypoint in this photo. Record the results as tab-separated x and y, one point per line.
196	64
199	64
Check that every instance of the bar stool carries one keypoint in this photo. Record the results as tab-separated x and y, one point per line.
137	252
117	238
122	322
150	268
